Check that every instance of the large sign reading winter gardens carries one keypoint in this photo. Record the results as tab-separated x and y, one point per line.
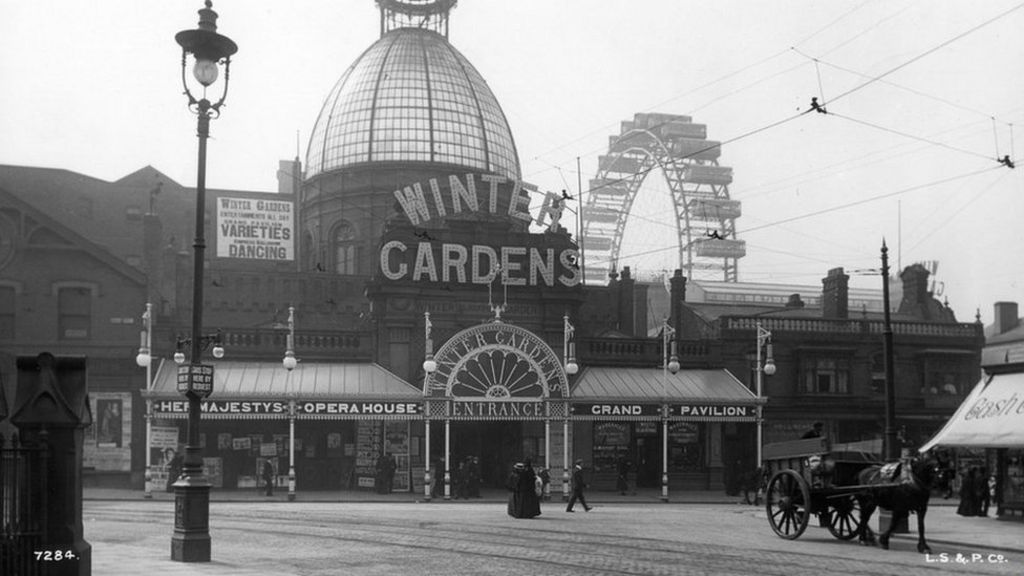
255	229
435	261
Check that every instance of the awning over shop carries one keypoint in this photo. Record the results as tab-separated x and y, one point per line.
705	395
244	390
992	416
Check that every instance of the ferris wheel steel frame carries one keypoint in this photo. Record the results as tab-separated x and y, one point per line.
705	215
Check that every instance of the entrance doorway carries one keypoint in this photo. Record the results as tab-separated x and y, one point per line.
497	445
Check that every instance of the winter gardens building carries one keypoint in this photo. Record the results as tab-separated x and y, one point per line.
407	226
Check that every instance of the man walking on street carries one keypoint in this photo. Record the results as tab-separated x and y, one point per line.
577	488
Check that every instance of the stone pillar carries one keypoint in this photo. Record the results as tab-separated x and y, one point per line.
51	408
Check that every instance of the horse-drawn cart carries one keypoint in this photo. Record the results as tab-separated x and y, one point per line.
807	478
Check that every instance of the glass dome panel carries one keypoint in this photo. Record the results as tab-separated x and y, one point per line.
412	97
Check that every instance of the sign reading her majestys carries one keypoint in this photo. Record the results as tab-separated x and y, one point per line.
432	260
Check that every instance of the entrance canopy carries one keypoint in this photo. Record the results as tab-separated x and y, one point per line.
264	390
992	416
633	393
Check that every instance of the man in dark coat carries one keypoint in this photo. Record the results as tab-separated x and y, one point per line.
577	488
268	477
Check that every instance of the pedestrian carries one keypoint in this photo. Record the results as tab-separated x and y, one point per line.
174	463
622	483
968	497
473	469
268	477
512	485
527	488
577	488
981	491
545	480
390	466
814	432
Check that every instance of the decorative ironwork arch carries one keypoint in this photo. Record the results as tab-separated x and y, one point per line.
704	214
497	361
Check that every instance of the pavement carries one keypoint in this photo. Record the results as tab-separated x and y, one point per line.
942	524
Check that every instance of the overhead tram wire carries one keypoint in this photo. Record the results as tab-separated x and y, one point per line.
738	71
930	51
896	85
872	199
911	136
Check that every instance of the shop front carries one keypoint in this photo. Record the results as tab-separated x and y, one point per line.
644	424
992	418
335	425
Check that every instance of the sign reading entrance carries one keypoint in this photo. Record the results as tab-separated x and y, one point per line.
195	378
491	409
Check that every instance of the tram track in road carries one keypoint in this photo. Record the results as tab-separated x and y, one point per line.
574	547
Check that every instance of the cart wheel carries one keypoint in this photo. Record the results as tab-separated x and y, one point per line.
788	501
844	517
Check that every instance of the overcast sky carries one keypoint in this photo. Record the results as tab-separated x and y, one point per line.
922	97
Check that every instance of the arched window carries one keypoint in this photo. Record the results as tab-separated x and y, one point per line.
345	248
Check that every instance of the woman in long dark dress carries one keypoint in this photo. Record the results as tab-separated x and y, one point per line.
529	500
968	497
515	505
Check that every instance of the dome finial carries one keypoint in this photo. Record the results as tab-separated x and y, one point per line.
424	14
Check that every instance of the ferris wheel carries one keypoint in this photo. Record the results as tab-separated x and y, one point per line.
705	216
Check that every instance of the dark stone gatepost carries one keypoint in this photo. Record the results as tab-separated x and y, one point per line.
51	408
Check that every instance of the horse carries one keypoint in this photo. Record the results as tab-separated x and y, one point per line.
901	490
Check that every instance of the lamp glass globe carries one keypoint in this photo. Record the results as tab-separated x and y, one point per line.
205	72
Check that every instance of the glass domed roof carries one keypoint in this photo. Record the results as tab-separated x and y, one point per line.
412	97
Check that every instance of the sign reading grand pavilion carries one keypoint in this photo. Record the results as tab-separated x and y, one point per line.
436	261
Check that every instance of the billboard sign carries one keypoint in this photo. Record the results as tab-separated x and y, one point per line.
255	229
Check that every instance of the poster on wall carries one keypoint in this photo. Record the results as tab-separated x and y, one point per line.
214	468
369	446
396	443
108	440
108	422
255	229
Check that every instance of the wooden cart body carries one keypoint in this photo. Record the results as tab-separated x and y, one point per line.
807	478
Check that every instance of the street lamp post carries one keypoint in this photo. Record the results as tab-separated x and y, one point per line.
892	452
764	341
571	369
191	539
668	364
429	366
289	362
145	360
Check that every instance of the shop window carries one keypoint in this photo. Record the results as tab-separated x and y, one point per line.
6	313
826	376
74	313
345	248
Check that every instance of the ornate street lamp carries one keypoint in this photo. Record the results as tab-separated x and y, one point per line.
290	362
210	50
145	360
669	364
571	368
892	451
764	342
429	367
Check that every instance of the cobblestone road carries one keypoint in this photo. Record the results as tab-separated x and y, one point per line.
479	538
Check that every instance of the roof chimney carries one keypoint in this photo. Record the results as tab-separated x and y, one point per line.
1006	318
835	294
